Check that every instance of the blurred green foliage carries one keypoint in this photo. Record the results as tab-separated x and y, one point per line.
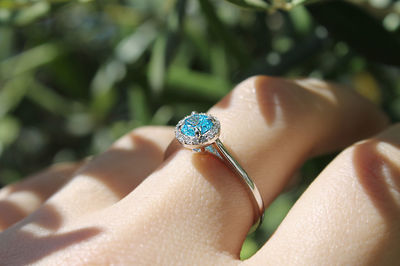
76	75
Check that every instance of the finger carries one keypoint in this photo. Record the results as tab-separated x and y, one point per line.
113	174
195	204
20	199
350	215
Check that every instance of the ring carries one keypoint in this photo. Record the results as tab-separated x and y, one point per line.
200	133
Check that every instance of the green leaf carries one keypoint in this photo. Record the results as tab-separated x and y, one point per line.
6	41
26	4
29	60
157	65
268	5
248	249
107	75
194	33
8	176
233	44
277	211
163	115
131	48
301	19
165	47
183	80
11	4
219	62
12	93
48	99
9	129
351	24
31	13
138	105
254	4
119	128
79	124
102	103
103	83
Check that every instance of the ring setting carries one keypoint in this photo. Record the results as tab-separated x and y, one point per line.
200	132
197	130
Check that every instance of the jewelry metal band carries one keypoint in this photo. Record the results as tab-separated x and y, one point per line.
200	132
234	165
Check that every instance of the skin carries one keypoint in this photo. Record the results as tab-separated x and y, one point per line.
147	201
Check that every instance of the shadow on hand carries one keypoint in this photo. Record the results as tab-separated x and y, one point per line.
19	246
122	170
10	213
235	208
339	114
42	185
380	179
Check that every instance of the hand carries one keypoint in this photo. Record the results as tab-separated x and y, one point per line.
132	206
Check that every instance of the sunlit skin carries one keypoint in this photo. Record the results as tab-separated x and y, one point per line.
148	201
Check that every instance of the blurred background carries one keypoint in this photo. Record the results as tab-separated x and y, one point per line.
76	75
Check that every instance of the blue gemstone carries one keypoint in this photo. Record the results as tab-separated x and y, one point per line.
196	122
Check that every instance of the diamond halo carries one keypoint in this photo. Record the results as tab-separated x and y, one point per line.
197	130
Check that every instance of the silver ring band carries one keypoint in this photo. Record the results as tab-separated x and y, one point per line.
246	178
200	132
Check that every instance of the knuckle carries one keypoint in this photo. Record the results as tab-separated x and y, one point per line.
150	133
145	130
277	98
376	164
252	85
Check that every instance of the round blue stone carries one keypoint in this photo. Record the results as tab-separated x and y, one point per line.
196	122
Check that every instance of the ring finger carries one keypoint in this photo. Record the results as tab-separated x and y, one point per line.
271	126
